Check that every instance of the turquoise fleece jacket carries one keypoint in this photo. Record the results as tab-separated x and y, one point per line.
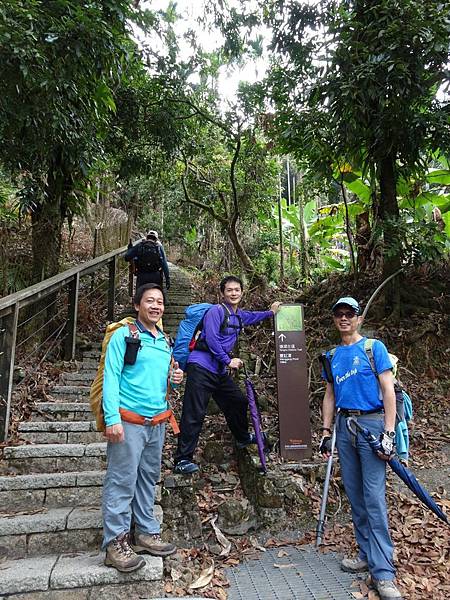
141	387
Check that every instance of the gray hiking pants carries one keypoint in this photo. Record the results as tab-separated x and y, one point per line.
133	470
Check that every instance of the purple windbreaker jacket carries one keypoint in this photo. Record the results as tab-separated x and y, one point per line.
222	343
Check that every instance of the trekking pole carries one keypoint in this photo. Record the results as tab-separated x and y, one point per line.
320	529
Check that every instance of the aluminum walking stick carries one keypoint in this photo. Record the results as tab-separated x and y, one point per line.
320	529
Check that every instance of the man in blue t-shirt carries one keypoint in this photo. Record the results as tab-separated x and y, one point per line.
356	391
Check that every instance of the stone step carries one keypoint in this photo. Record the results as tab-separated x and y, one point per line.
78	577
175	309
78	378
53	458
93	354
88	364
50	490
178	304
70	391
52	531
53	490
62	411
60	432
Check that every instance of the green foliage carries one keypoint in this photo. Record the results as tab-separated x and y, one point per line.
9	214
373	91
355	86
61	63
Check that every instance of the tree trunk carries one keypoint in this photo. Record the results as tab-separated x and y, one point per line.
244	258
280	237
362	239
47	222
389	215
303	253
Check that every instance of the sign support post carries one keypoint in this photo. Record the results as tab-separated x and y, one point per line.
292	383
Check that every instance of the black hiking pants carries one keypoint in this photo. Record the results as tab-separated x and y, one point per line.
200	385
149	277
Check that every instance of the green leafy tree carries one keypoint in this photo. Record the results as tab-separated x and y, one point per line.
229	173
61	63
357	82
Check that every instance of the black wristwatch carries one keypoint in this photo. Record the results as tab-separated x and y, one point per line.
390	434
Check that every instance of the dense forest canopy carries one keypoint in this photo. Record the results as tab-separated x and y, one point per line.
335	159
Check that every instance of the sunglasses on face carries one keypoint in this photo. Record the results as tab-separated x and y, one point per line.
348	314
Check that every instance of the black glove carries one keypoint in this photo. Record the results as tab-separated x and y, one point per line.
167	284
325	445
387	442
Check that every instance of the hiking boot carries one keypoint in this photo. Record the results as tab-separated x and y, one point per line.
354	565
251	440
153	544
185	467
386	588
120	555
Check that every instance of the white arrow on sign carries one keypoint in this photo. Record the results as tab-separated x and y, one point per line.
282	337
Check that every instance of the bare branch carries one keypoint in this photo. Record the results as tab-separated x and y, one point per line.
208	208
233	180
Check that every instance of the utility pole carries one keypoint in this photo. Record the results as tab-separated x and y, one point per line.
303	255
280	232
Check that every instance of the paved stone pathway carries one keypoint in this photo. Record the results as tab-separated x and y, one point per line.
304	574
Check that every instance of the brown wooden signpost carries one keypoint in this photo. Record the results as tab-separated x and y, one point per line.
292	379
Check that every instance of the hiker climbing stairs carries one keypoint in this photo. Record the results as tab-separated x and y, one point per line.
51	487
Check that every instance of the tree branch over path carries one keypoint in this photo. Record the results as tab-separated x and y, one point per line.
233	180
201	205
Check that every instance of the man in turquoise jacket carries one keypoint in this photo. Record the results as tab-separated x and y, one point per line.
137	367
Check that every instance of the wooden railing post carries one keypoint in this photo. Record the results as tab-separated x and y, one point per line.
72	317
8	335
112	288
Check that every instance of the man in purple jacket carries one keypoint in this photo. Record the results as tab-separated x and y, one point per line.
207	374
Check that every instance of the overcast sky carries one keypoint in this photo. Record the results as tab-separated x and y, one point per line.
190	10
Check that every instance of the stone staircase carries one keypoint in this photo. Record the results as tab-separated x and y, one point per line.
50	495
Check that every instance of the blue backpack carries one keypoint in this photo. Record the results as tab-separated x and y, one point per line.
190	328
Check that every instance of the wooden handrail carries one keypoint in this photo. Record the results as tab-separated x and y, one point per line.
9	311
47	286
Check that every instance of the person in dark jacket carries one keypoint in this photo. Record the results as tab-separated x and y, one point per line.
150	261
207	374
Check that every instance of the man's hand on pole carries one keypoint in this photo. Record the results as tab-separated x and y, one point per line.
387	443
325	446
235	363
115	433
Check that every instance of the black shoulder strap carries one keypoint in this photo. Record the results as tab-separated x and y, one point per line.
226	319
326	364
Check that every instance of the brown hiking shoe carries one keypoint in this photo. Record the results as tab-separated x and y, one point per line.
153	544
120	555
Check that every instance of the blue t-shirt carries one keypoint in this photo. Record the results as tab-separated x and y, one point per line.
355	385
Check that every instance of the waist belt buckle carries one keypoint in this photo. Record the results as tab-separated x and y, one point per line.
354	413
147	421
